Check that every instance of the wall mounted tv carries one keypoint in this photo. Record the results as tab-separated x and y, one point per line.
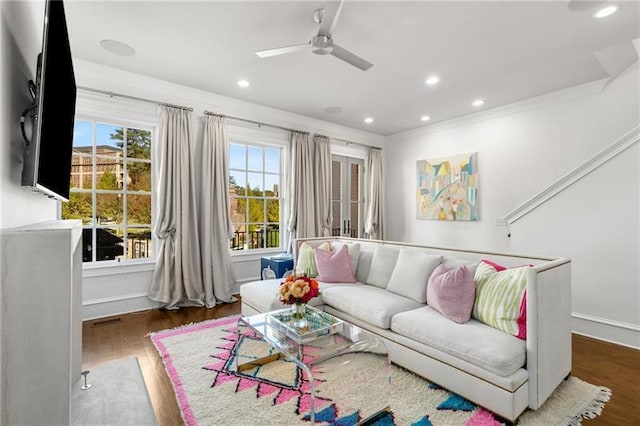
47	156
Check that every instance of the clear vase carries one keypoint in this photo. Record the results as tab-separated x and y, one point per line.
299	315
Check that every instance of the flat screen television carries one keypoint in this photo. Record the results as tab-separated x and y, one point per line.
47	157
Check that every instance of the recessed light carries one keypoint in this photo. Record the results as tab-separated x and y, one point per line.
425	118
368	120
432	80
243	83
117	47
478	102
608	10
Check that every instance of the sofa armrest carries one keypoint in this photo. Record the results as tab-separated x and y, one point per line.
548	328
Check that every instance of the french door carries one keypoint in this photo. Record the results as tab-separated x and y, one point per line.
347	196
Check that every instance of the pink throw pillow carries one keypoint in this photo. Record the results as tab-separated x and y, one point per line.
452	292
334	267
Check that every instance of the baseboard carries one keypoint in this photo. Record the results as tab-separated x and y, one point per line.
617	332
128	303
108	306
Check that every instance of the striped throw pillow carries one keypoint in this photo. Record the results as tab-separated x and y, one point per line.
501	297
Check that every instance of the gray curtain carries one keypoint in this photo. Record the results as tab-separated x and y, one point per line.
177	278
215	217
323	186
373	225
302	222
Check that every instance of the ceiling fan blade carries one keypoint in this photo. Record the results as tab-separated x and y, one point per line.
329	20
351	58
281	50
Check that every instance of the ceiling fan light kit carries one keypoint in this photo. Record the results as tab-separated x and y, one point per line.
322	43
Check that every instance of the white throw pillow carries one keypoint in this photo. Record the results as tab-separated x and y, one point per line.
412	272
382	264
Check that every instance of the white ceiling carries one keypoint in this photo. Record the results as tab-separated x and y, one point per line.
501	51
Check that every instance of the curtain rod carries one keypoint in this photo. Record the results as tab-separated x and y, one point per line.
347	142
135	98
355	143
275	126
257	123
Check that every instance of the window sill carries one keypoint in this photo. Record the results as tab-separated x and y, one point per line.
116	268
242	256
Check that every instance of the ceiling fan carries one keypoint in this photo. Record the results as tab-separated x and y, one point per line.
322	43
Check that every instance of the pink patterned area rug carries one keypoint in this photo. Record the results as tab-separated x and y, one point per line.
200	361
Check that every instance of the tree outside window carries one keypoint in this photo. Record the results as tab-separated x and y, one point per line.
111	190
255	198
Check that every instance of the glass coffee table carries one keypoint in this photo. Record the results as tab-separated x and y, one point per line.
341	363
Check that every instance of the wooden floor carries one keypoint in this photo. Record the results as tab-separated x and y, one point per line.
110	339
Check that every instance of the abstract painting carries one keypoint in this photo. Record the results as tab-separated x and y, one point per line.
448	188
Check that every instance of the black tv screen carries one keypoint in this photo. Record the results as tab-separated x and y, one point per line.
49	153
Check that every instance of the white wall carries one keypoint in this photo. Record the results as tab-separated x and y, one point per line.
116	289
522	149
20	42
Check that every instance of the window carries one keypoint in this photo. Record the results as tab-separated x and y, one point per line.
347	201
255	196
111	190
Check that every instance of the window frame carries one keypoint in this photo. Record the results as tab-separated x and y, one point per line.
345	200
111	120
265	139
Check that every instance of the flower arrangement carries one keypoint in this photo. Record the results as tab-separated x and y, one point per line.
298	290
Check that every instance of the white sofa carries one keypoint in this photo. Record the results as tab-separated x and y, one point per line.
487	366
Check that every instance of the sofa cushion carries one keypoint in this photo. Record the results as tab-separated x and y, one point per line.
306	263
368	303
411	273
475	342
354	252
452	292
364	261
382	265
501	298
263	295
453	262
334	267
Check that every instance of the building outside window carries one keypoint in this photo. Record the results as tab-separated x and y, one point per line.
111	187
255	195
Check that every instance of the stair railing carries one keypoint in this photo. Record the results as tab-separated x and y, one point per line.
572	177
